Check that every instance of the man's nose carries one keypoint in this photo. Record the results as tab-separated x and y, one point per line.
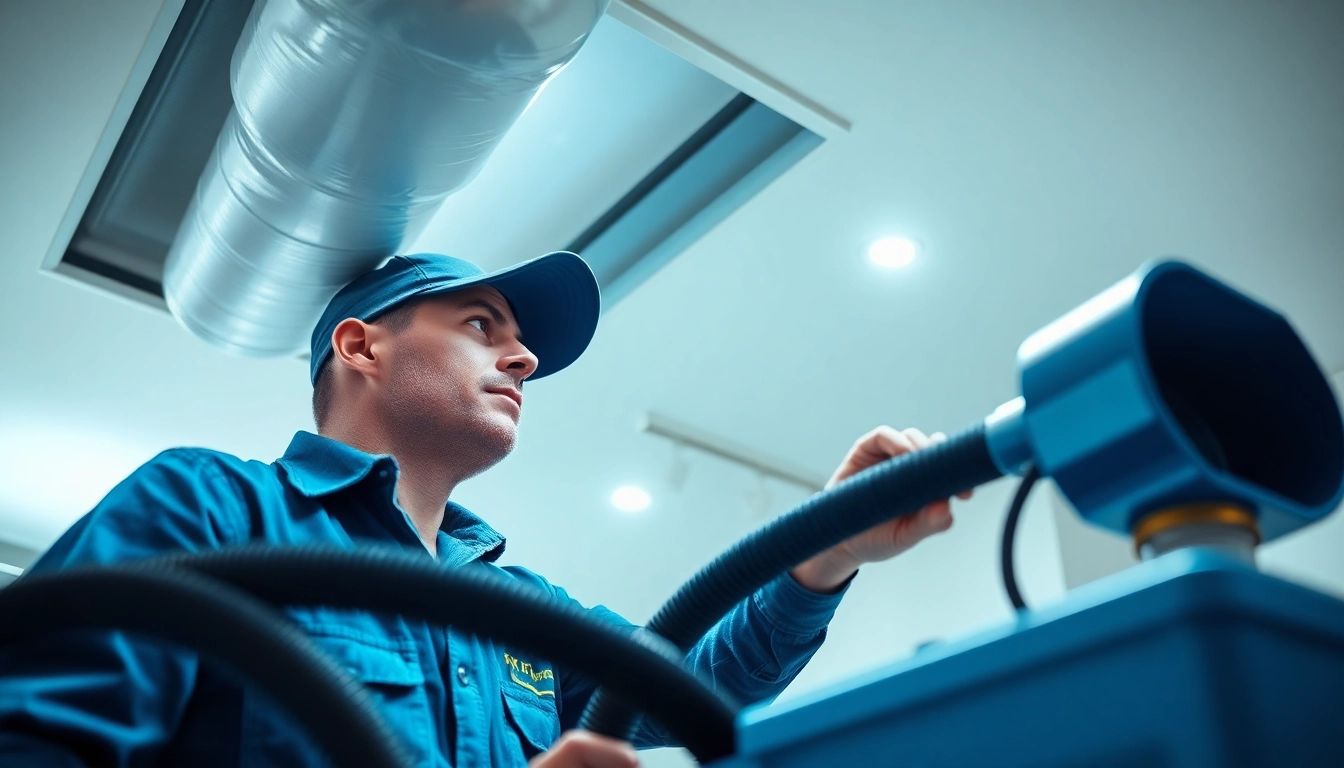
519	363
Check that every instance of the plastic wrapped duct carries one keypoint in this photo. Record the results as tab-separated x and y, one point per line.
352	121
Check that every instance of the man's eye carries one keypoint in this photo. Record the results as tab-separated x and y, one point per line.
480	323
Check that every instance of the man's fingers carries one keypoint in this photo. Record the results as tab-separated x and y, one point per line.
920	441
885	443
935	518
582	749
879	445
917	438
939	437
892	442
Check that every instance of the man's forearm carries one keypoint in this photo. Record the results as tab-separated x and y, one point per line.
825	573
756	650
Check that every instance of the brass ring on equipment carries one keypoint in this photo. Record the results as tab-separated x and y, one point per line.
1218	513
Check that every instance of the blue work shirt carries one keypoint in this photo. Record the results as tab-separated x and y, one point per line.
104	699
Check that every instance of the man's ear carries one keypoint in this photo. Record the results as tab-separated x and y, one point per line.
352	346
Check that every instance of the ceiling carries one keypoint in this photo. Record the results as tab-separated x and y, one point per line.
1038	150
590	136
621	107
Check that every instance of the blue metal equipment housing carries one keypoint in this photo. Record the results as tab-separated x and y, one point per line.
1190	660
1169	388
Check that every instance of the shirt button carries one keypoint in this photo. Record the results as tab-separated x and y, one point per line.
462	676
382	473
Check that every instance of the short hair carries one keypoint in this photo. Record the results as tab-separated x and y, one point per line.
396	320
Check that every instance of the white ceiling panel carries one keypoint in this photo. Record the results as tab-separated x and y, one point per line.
620	107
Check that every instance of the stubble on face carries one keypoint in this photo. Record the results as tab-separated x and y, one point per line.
436	398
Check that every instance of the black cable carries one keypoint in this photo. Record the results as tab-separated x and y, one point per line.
223	625
884	492
645	671
1010	535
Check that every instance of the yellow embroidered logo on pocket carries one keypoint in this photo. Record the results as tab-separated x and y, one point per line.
525	675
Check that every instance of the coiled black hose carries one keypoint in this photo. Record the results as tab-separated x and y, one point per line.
889	490
644	671
222	624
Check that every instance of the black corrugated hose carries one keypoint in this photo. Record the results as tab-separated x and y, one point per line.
644	670
227	625
889	490
223	625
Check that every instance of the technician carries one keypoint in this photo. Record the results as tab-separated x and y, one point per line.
418	370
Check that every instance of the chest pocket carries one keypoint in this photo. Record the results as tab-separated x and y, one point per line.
388	670
528	689
535	723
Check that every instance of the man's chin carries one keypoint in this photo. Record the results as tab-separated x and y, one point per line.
497	436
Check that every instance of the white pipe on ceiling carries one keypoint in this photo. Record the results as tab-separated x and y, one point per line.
352	121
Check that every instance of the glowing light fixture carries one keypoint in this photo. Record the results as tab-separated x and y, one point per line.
893	252
629	498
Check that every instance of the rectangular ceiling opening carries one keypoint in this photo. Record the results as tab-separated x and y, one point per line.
626	157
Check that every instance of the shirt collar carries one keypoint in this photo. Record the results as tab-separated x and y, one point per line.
319	466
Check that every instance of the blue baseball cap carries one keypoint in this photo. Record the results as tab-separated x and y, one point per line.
554	298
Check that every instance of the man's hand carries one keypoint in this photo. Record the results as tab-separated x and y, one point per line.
827	571
581	749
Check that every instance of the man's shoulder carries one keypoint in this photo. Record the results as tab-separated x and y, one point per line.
200	478
532	578
192	462
182	499
526	576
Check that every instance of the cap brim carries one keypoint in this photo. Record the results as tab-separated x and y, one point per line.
556	301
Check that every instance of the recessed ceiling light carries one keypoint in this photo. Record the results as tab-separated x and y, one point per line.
893	252
629	498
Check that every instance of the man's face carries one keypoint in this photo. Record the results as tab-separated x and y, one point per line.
456	374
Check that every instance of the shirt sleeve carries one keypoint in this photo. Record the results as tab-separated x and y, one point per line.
750	656
101	698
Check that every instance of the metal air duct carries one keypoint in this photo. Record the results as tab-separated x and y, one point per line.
352	121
